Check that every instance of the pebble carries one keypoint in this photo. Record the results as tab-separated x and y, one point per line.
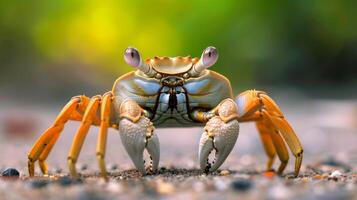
67	181
241	185
225	173
318	176
336	175
10	172
40	183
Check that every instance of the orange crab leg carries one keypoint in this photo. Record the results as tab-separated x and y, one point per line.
290	138
277	141
268	145
44	141
46	152
251	102
81	134
75	115
103	132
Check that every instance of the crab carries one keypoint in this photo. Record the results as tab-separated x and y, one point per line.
171	92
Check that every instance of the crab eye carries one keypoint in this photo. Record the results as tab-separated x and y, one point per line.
209	56
132	57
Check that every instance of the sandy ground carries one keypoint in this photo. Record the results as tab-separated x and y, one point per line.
327	129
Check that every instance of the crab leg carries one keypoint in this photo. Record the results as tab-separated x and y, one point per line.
290	138
46	152
277	142
81	134
268	144
249	103
44	144
271	139
103	132
76	115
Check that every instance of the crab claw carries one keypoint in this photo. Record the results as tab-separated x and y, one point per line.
138	136
219	137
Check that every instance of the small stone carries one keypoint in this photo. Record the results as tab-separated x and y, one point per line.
318	177
67	181
10	172
336	174
241	185
40	183
225	173
325	175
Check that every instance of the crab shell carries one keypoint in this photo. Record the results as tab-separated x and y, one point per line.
204	91
175	65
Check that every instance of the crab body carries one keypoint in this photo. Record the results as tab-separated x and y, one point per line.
170	99
171	92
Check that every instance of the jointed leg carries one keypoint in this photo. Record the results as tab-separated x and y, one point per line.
267	143
286	132
277	141
103	132
251	102
81	134
46	152
45	143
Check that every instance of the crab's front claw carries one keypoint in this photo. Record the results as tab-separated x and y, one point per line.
138	136
219	137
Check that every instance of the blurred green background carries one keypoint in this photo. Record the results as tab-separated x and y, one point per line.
52	50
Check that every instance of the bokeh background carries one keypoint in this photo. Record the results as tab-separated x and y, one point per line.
303	52
55	49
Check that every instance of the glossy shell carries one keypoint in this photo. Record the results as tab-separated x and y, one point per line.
175	65
204	92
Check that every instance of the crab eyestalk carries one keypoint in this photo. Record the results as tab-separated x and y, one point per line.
132	57
208	58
